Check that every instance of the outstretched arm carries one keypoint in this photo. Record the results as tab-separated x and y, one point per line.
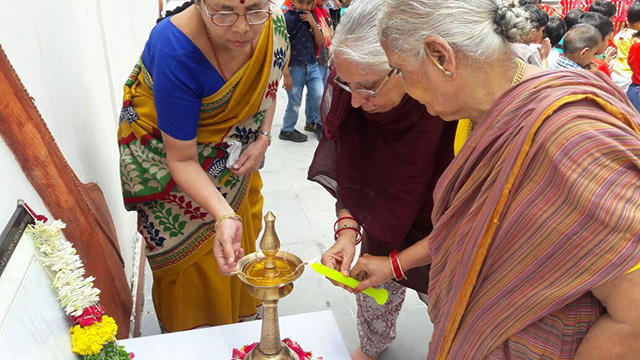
182	160
375	270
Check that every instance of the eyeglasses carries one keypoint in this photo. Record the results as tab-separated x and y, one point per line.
364	92
228	18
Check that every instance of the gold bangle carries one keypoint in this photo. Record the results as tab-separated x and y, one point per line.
225	217
401	271
267	134
393	271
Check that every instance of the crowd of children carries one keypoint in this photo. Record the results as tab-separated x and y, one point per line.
579	47
580	40
586	40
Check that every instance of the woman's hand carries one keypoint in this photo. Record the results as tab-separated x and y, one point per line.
340	256
182	160
227	245
372	271
250	159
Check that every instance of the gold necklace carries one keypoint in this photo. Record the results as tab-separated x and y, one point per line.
519	73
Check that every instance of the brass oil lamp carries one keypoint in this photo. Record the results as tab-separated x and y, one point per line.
269	276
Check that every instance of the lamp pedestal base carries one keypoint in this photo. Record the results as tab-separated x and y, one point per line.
284	354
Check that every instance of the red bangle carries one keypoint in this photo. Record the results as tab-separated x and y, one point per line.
394	266
335	225
358	238
398	274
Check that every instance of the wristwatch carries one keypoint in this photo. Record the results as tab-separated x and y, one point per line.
267	134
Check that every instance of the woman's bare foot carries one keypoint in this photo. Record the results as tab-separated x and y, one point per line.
359	355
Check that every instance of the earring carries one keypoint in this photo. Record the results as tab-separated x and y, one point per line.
447	73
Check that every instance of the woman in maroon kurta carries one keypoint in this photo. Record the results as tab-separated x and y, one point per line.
537	220
381	157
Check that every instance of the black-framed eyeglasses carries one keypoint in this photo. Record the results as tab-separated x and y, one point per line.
228	18
364	92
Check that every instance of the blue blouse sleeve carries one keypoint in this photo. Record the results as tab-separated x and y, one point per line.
182	77
176	95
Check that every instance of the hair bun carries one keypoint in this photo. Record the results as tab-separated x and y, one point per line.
512	22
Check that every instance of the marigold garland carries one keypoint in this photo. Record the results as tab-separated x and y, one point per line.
89	340
93	334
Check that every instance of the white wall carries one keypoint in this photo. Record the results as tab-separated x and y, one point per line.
32	325
73	56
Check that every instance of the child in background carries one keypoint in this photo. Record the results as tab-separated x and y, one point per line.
554	31
572	18
322	52
345	6
335	6
580	45
530	50
304	35
621	73
605	8
605	27
634	63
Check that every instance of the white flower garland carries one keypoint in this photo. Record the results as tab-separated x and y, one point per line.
93	333
75	292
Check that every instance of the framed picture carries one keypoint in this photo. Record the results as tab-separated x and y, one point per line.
13	232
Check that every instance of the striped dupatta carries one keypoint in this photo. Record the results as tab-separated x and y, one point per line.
541	205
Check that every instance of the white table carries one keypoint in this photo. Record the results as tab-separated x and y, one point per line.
316	332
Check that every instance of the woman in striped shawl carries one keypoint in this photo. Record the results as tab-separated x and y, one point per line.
537	220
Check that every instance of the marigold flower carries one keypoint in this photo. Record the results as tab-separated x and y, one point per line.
90	340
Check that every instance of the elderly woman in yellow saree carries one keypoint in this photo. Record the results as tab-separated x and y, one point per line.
536	240
194	129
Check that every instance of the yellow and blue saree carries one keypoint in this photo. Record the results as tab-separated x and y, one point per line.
188	290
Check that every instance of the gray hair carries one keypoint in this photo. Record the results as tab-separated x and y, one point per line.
481	29
356	38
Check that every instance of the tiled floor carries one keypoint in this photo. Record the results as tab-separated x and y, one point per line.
305	215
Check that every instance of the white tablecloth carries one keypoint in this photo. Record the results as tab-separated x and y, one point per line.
317	332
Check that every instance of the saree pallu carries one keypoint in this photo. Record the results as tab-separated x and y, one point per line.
188	290
541	205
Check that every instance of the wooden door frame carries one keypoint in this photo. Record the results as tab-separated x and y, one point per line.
82	206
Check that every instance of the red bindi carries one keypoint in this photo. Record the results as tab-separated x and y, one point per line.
241	1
